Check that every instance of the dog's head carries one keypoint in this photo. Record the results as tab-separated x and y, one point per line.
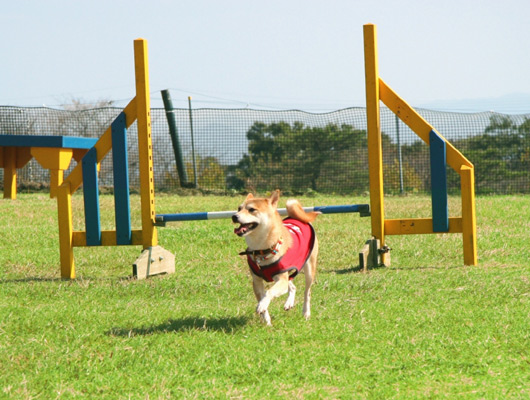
255	214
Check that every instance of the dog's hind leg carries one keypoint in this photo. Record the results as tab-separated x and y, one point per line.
310	270
289	303
309	278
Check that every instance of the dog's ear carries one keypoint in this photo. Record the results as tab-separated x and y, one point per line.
275	197
250	196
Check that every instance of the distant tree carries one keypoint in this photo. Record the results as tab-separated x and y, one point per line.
78	104
299	157
501	156
82	118
210	173
500	124
88	119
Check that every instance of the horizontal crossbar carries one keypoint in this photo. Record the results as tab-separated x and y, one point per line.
68	142
161	219
419	226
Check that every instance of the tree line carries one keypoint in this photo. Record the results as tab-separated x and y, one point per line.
334	158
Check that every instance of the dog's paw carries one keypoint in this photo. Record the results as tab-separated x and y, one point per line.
289	304
266	318
263	305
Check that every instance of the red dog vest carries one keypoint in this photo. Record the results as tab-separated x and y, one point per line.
293	261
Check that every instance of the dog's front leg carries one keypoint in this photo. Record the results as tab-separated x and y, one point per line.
280	287
260	292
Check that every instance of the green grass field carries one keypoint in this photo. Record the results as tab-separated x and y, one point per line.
426	327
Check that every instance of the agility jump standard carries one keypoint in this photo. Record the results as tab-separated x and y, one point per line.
153	257
442	153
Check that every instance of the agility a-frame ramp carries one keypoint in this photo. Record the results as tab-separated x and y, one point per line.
442	153
154	259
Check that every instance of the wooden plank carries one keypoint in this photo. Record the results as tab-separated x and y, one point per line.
73	142
405	112
108	238
440	207
120	168
10	173
145	151
413	226
375	155
417	123
91	198
469	228
56	179
64	210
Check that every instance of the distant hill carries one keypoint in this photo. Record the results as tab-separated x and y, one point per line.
516	103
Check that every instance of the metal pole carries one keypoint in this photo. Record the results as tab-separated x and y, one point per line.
161	219
192	145
181	169
400	158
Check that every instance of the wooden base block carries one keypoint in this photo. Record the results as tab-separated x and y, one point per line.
154	261
372	256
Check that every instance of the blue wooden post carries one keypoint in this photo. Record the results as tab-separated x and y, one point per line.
91	198
122	207
440	211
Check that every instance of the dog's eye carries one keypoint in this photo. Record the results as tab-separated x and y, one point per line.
239	208
251	210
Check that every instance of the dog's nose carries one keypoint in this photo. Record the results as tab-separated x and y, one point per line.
234	218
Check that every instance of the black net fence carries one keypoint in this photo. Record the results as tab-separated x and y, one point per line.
234	150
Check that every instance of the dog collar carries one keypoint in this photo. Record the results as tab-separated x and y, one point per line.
263	255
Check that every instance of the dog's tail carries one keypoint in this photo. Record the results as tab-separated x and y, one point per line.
295	210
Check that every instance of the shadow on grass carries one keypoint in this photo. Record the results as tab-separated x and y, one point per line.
29	279
226	325
355	269
80	279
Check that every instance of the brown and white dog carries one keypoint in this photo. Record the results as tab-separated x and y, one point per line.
277	250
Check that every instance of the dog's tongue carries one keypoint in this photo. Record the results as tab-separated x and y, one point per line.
240	230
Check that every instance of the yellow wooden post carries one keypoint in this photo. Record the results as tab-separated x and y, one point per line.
469	219
143	107
57	160
56	178
375	153
10	173
64	209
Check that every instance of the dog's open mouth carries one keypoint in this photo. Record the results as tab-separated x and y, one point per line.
243	229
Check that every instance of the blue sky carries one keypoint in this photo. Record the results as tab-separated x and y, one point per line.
273	54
